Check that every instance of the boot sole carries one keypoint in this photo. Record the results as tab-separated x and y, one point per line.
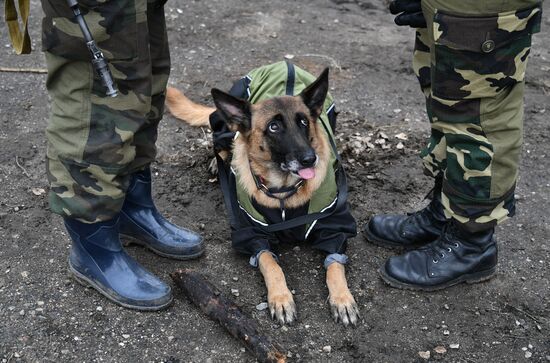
129	240
381	242
87	282
468	279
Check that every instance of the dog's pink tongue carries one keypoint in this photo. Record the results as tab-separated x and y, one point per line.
307	173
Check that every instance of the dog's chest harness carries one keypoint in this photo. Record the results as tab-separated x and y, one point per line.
263	83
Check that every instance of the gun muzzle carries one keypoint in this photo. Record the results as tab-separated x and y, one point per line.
104	73
99	62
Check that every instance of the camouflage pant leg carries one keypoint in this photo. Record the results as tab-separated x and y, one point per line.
146	137
476	106
91	147
434	154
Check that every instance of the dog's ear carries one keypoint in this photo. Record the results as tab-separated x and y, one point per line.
314	95
235	111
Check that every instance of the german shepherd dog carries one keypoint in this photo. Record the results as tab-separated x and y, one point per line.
280	139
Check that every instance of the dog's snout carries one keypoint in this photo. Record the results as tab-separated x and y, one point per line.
308	159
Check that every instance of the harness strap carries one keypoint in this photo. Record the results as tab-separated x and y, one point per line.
20	40
231	204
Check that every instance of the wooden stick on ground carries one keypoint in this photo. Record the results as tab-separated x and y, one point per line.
223	310
23	70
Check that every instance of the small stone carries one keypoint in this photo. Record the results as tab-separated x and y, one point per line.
99	308
327	349
235	292
400	146
454	346
284	328
397	110
22	312
446	307
77	338
528	354
223	283
262	306
440	349
235	278
38	191
17	355
65	351
424	355
446	332
530	346
524	349
171	338
306	326
126	336
424	328
40	303
296	249
401	136
25	274
274	35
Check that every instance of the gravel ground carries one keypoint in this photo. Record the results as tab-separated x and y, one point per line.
46	316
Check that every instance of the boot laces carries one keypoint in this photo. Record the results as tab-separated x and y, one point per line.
445	244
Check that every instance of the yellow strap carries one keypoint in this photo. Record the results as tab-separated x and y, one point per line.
20	40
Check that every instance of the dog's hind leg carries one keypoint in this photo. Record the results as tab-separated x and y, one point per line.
342	303
279	297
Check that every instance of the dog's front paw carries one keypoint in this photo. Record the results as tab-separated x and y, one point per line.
344	308
282	307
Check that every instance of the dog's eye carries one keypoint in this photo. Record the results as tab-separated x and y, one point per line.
304	122
273	127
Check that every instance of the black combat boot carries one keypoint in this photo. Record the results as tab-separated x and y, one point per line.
456	256
411	230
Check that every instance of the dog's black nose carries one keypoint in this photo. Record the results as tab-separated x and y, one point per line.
308	159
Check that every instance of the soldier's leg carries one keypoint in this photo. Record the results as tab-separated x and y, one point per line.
424	226
140	221
90	142
89	134
478	65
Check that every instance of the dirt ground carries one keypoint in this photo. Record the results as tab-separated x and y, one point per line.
46	317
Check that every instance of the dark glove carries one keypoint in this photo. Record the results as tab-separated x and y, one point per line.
410	13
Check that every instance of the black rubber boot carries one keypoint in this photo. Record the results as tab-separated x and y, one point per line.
457	256
141	223
98	260
411	230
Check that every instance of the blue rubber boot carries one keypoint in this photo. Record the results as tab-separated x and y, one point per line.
97	259
141	223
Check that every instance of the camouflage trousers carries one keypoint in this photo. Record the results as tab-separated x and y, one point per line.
470	62
96	142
